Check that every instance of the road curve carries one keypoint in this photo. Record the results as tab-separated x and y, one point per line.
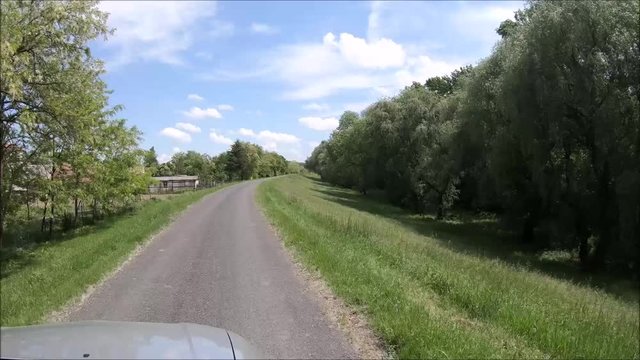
220	264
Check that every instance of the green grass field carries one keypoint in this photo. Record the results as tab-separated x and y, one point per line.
438	289
38	281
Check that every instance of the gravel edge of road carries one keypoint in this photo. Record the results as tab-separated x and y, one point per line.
352	323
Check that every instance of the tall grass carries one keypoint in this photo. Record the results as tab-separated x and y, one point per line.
35	282
430	300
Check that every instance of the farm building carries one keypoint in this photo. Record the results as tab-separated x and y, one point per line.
173	183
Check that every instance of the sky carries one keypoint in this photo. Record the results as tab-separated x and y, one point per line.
198	75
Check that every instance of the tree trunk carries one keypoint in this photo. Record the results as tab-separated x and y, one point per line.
52	218
75	211
44	216
3	199
532	219
582	238
583	252
527	230
608	215
440	213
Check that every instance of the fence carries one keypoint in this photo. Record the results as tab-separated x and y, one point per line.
172	189
32	227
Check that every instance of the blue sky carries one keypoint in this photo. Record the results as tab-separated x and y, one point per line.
198	75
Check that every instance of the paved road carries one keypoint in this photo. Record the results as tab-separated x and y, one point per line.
220	264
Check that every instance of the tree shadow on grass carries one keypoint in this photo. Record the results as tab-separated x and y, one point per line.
15	258
314	179
482	237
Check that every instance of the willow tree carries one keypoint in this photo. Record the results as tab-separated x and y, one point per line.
570	90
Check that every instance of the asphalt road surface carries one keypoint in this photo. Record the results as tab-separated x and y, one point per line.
220	264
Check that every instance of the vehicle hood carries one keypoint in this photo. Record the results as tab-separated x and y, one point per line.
122	340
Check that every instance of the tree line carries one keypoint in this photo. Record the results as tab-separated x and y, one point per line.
242	161
545	132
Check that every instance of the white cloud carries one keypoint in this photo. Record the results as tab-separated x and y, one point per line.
188	127
374	20
221	29
265	29
420	69
153	31
203	55
348	63
198	113
323	87
471	24
266	135
219	138
195	97
270	140
378	64
375	54
176	134
316	107
246	132
163	158
292	152
318	123
480	23
356	106
287	145
226	75
313	144
335	57
225	107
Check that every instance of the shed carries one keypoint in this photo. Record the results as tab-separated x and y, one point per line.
173	183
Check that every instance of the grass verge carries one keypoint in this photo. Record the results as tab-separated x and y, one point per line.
35	282
427	299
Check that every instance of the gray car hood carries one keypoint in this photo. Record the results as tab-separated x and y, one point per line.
122	340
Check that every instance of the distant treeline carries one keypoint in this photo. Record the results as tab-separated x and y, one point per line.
242	161
545	132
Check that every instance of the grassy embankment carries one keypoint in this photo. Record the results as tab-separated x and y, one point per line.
445	289
37	281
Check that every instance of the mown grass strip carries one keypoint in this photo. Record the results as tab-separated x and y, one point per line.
429	301
36	282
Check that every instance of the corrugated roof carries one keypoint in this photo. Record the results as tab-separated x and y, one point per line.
175	178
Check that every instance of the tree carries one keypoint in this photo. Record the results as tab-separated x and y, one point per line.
271	164
50	85
166	169
242	160
448	84
579	137
151	159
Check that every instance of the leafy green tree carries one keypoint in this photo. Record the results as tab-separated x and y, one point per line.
50	82
242	160
151	160
166	169
579	137
271	164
